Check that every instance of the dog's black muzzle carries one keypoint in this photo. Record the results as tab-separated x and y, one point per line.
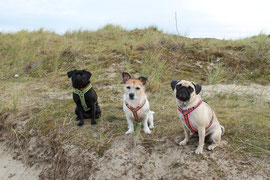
183	95
79	82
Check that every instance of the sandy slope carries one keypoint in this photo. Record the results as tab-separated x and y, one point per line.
170	161
12	169
259	91
164	161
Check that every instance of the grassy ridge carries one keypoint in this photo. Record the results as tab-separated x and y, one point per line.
40	53
42	59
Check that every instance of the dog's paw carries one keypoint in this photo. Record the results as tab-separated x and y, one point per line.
130	131
199	150
93	122
151	126
147	131
183	143
211	147
80	123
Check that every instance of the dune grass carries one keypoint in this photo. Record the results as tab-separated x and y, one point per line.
41	53
42	58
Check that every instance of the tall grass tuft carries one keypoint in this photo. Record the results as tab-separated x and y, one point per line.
215	74
15	99
154	68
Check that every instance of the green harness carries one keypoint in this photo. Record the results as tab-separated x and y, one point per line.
81	95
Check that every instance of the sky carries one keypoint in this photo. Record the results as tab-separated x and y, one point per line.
223	19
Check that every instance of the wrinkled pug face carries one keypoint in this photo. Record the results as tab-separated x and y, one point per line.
79	78
185	90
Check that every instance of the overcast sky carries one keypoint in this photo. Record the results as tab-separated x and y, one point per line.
196	18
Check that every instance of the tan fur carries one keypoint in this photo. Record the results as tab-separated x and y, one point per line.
136	83
199	118
139	98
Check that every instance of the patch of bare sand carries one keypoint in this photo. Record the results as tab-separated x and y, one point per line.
170	161
13	169
256	90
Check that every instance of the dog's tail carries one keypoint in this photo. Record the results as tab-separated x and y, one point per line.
223	130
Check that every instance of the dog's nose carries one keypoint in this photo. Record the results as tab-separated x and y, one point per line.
131	95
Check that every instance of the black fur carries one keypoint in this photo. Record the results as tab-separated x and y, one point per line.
173	84
198	88
80	79
183	93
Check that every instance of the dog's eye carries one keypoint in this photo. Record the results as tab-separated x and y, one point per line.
190	89
138	88
128	87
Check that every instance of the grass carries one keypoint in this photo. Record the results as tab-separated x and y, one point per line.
215	75
14	102
246	121
40	53
42	58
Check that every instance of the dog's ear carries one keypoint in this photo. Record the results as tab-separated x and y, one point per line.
198	88
89	74
143	79
69	74
126	77
173	84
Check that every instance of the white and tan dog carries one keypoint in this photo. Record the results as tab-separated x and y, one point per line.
196	116
135	103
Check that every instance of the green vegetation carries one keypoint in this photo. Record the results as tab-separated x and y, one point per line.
43	91
42	53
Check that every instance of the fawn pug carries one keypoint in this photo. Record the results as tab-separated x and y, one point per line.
196	116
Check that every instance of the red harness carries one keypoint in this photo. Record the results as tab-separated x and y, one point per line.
135	110
186	114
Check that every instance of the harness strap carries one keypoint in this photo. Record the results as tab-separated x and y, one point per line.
135	110
81	93
186	114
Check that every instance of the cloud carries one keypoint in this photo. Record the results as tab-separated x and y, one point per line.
197	18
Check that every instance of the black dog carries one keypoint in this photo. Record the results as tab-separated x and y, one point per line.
84	96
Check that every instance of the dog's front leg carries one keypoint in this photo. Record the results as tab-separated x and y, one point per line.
130	125
151	119
145	125
80	115
93	114
201	131
185	141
